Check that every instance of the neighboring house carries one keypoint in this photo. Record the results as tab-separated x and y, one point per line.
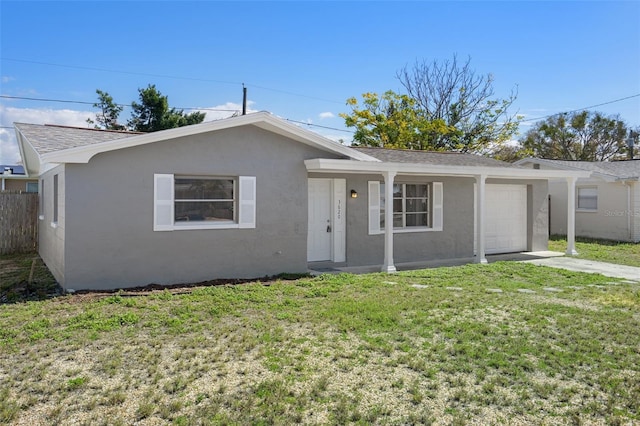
607	204
254	195
13	178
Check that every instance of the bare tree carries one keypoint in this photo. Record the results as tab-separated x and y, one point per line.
453	92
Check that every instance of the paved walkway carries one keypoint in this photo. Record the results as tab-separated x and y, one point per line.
546	258
591	266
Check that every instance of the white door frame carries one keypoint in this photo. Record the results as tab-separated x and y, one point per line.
338	218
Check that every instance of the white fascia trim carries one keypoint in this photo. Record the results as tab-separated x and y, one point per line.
322	165
31	161
261	119
604	176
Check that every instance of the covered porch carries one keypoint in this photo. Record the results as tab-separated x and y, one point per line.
388	173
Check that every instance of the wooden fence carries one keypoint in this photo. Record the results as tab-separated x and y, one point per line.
18	222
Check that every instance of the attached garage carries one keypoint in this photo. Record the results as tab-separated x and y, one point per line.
506	212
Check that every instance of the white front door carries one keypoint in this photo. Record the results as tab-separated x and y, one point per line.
320	226
506	223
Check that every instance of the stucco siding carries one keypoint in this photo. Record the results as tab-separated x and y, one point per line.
612	219
454	241
51	236
110	237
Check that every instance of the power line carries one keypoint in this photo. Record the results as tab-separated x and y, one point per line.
187	108
318	125
582	109
174	77
24	98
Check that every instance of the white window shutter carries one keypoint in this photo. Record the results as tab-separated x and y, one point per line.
247	202
374	207
163	202
437	206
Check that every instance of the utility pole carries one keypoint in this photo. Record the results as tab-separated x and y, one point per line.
244	100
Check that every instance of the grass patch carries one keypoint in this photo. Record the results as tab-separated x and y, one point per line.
25	277
334	349
622	253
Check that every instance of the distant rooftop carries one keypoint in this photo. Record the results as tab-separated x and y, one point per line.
624	169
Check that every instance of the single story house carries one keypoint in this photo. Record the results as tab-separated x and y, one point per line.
607	203
13	178
255	195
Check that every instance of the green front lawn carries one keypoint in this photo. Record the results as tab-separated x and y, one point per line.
444	346
602	250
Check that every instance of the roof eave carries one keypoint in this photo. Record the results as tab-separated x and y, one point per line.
31	161
263	120
323	165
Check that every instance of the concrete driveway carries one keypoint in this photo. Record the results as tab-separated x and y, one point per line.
590	266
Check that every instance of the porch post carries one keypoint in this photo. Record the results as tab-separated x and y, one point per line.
571	216
480	219
388	266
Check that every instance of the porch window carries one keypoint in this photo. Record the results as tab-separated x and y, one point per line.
587	198
190	202
416	207
410	205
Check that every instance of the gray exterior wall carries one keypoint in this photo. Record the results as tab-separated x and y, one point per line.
51	237
110	242
613	220
454	241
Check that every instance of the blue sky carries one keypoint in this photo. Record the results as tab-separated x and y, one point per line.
302	60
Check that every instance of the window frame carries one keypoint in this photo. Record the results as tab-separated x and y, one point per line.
30	184
41	200
578	198
233	199
56	201
164	204
377	204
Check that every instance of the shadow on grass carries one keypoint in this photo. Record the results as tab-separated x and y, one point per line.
25	277
588	240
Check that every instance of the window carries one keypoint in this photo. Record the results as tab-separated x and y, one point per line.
410	205
204	200
416	207
189	202
32	187
587	198
41	201
55	200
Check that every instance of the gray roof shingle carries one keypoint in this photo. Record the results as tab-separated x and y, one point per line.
430	157
625	169
50	138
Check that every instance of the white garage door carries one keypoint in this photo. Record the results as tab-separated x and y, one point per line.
506	213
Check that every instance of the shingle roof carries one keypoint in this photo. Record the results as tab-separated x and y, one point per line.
621	169
430	157
50	138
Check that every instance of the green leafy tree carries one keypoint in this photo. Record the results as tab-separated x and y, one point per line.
585	136
391	120
153	113
107	117
454	93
